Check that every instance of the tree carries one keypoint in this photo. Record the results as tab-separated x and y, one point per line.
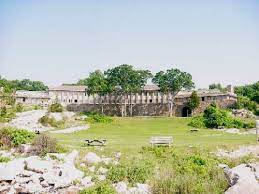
125	80
194	101
172	82
97	84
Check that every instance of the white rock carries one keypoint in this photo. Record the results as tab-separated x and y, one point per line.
121	187
106	161
101	177
83	165
9	170
92	168
36	164
92	158
243	180
102	170
143	188
87	181
117	155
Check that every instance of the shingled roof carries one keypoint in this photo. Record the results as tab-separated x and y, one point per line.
31	94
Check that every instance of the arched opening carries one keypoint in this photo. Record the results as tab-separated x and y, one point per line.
186	112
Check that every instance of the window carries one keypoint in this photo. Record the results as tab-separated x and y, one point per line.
23	99
85	94
150	100
202	98
75	100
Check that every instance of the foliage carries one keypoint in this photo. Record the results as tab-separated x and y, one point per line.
171	82
4	159
49	121
19	107
56	107
188	171
194	101
217	86
12	137
25	84
246	103
44	144
214	117
101	188
98	118
137	172
3	111
197	122
250	91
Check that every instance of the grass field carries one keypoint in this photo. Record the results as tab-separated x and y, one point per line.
127	134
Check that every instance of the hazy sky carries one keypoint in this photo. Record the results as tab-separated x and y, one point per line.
62	41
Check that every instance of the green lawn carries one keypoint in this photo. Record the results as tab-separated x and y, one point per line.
126	134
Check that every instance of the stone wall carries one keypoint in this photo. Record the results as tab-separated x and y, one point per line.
157	109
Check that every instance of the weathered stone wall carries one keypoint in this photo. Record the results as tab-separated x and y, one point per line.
157	109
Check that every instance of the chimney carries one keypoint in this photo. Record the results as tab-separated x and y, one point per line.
230	89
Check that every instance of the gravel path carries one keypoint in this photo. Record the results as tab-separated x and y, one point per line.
29	120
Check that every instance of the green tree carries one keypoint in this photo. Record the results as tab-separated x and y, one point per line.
172	82
194	101
125	80
97	84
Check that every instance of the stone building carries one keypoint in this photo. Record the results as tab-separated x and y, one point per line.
32	97
150	101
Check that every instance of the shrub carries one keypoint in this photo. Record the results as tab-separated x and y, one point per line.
98	118
56	107
3	111
197	122
12	137
47	121
138	172
101	188
19	107
4	159
44	144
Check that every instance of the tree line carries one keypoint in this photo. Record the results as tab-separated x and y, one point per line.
10	86
125	80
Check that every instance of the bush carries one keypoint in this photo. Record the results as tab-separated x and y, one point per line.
197	122
214	117
44	144
101	188
98	118
47	121
12	137
19	107
56	107
3	111
4	159
138	172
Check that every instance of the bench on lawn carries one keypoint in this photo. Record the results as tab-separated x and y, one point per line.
161	140
95	142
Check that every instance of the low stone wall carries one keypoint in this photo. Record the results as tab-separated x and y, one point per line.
158	109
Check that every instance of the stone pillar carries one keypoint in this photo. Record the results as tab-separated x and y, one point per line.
147	97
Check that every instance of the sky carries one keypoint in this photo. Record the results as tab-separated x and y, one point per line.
62	41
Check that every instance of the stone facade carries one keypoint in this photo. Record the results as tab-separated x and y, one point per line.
32	97
150	101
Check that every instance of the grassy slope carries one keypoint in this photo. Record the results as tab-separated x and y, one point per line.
132	133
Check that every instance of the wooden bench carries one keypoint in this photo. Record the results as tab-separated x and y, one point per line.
161	140
95	142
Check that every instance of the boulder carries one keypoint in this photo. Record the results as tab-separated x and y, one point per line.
10	169
102	170
242	179
36	164
101	177
121	187
87	181
92	158
106	161
92	168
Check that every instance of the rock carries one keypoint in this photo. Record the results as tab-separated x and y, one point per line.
102	170
106	161
243	113
33	187
121	187
4	188
101	177
92	158
35	164
143	188
56	115
242	179
9	170
92	168
233	130
25	148
83	165
223	166
87	181
242	151
117	155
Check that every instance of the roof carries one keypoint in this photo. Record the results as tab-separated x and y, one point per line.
31	94
150	87
71	88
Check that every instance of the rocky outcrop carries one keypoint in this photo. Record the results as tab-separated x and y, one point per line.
242	151
122	188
